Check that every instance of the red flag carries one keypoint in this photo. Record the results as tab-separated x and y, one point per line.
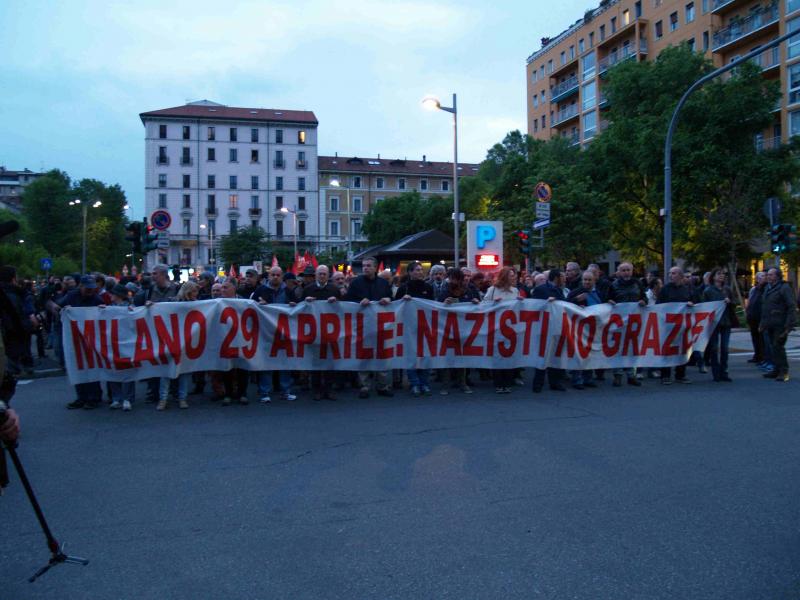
307	257
314	261
380	267
275	261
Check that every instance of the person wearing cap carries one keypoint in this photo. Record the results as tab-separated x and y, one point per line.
308	277
122	392
89	394
249	285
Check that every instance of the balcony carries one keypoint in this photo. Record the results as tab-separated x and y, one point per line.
574	139
278	164
742	30
187	161
162	160
564	89
719	7
211	211
763	144
769	59
255	212
602	101
301	164
621	55
561	69
626	29
566	114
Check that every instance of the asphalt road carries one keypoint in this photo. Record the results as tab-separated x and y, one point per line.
687	491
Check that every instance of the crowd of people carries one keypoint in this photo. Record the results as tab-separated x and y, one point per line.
771	309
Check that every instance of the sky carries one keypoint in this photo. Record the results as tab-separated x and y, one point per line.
75	75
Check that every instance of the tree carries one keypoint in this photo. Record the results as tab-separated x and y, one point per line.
244	246
399	216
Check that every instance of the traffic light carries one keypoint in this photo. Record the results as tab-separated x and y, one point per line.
524	238
134	235
791	237
783	238
149	237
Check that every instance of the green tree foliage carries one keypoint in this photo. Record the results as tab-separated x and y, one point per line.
245	246
26	256
408	213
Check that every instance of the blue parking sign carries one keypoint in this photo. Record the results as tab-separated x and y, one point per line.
46	264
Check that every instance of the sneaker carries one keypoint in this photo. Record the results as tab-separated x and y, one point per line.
784	378
162	404
289	397
426	390
466	389
506	390
499	390
226	401
519	381
617	380
666	381
115	405
183	404
126	405
702	369
683	380
244	400
265	399
443	392
363	393
415	391
75	404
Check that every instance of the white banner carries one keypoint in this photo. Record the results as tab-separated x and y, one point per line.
164	340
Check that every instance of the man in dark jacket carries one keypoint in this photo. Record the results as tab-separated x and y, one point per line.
321	289
778	318
552	290
249	285
274	291
753	313
364	289
626	288
677	290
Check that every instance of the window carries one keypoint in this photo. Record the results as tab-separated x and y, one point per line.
233	201
690	44
379	199
423	185
356	225
564	57
301	228
334	203
279	228
253	156
550	66
536	101
212	203
211	133
588	67
536	126
254	182
793	44
212	226
232	135
589	125
301	203
301	160
581	46
162	155
358	203
589	95
541	72
690	12
233	182
637	9
233	225
673	21
162	201
279	158
794	83
233	155
187	227
279	183
186	159
279	136
445	185
533	76
278	202
544	122
379	183
254	135
186	132
334	227
705	6
212	182
187	181
187	201
792	5
253	201
571	52
301	137
626	17
301	183
357	181
591	39
211	154
162	132
401	183
659	30
705	40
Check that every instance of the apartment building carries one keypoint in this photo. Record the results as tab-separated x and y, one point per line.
565	77
12	185
214	168
349	187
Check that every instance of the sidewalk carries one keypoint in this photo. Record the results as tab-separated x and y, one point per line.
740	341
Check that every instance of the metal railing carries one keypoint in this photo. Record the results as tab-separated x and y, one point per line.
772	143
564	88
278	164
187	160
756	20
162	160
301	164
621	55
565	114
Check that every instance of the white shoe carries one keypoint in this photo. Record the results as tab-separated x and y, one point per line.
265	399
289	397
115	405
126	405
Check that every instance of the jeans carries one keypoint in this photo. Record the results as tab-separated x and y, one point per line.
383	379
718	349
265	382
418	377
757	339
183	386
122	390
629	371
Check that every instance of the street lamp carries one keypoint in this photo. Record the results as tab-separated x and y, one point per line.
211	240
293	212
432	103
85	208
337	184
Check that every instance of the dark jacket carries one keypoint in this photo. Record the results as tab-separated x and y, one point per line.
754	302
312	290
416	288
573	296
676	293
468	295
778	307
712	293
626	290
547	290
272	296
15	326
371	289
156	294
75	298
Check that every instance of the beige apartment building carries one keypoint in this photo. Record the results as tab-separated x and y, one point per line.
565	77
348	187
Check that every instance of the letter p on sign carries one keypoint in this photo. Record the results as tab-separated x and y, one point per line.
483	234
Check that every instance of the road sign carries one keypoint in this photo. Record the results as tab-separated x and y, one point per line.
163	239
541	224
542	210
46	264
543	192
772	209
160	219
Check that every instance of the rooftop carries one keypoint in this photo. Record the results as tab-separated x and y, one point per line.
205	109
399	166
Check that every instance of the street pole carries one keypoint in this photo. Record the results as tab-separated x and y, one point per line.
349	230
294	220
85	208
671	131
455	183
